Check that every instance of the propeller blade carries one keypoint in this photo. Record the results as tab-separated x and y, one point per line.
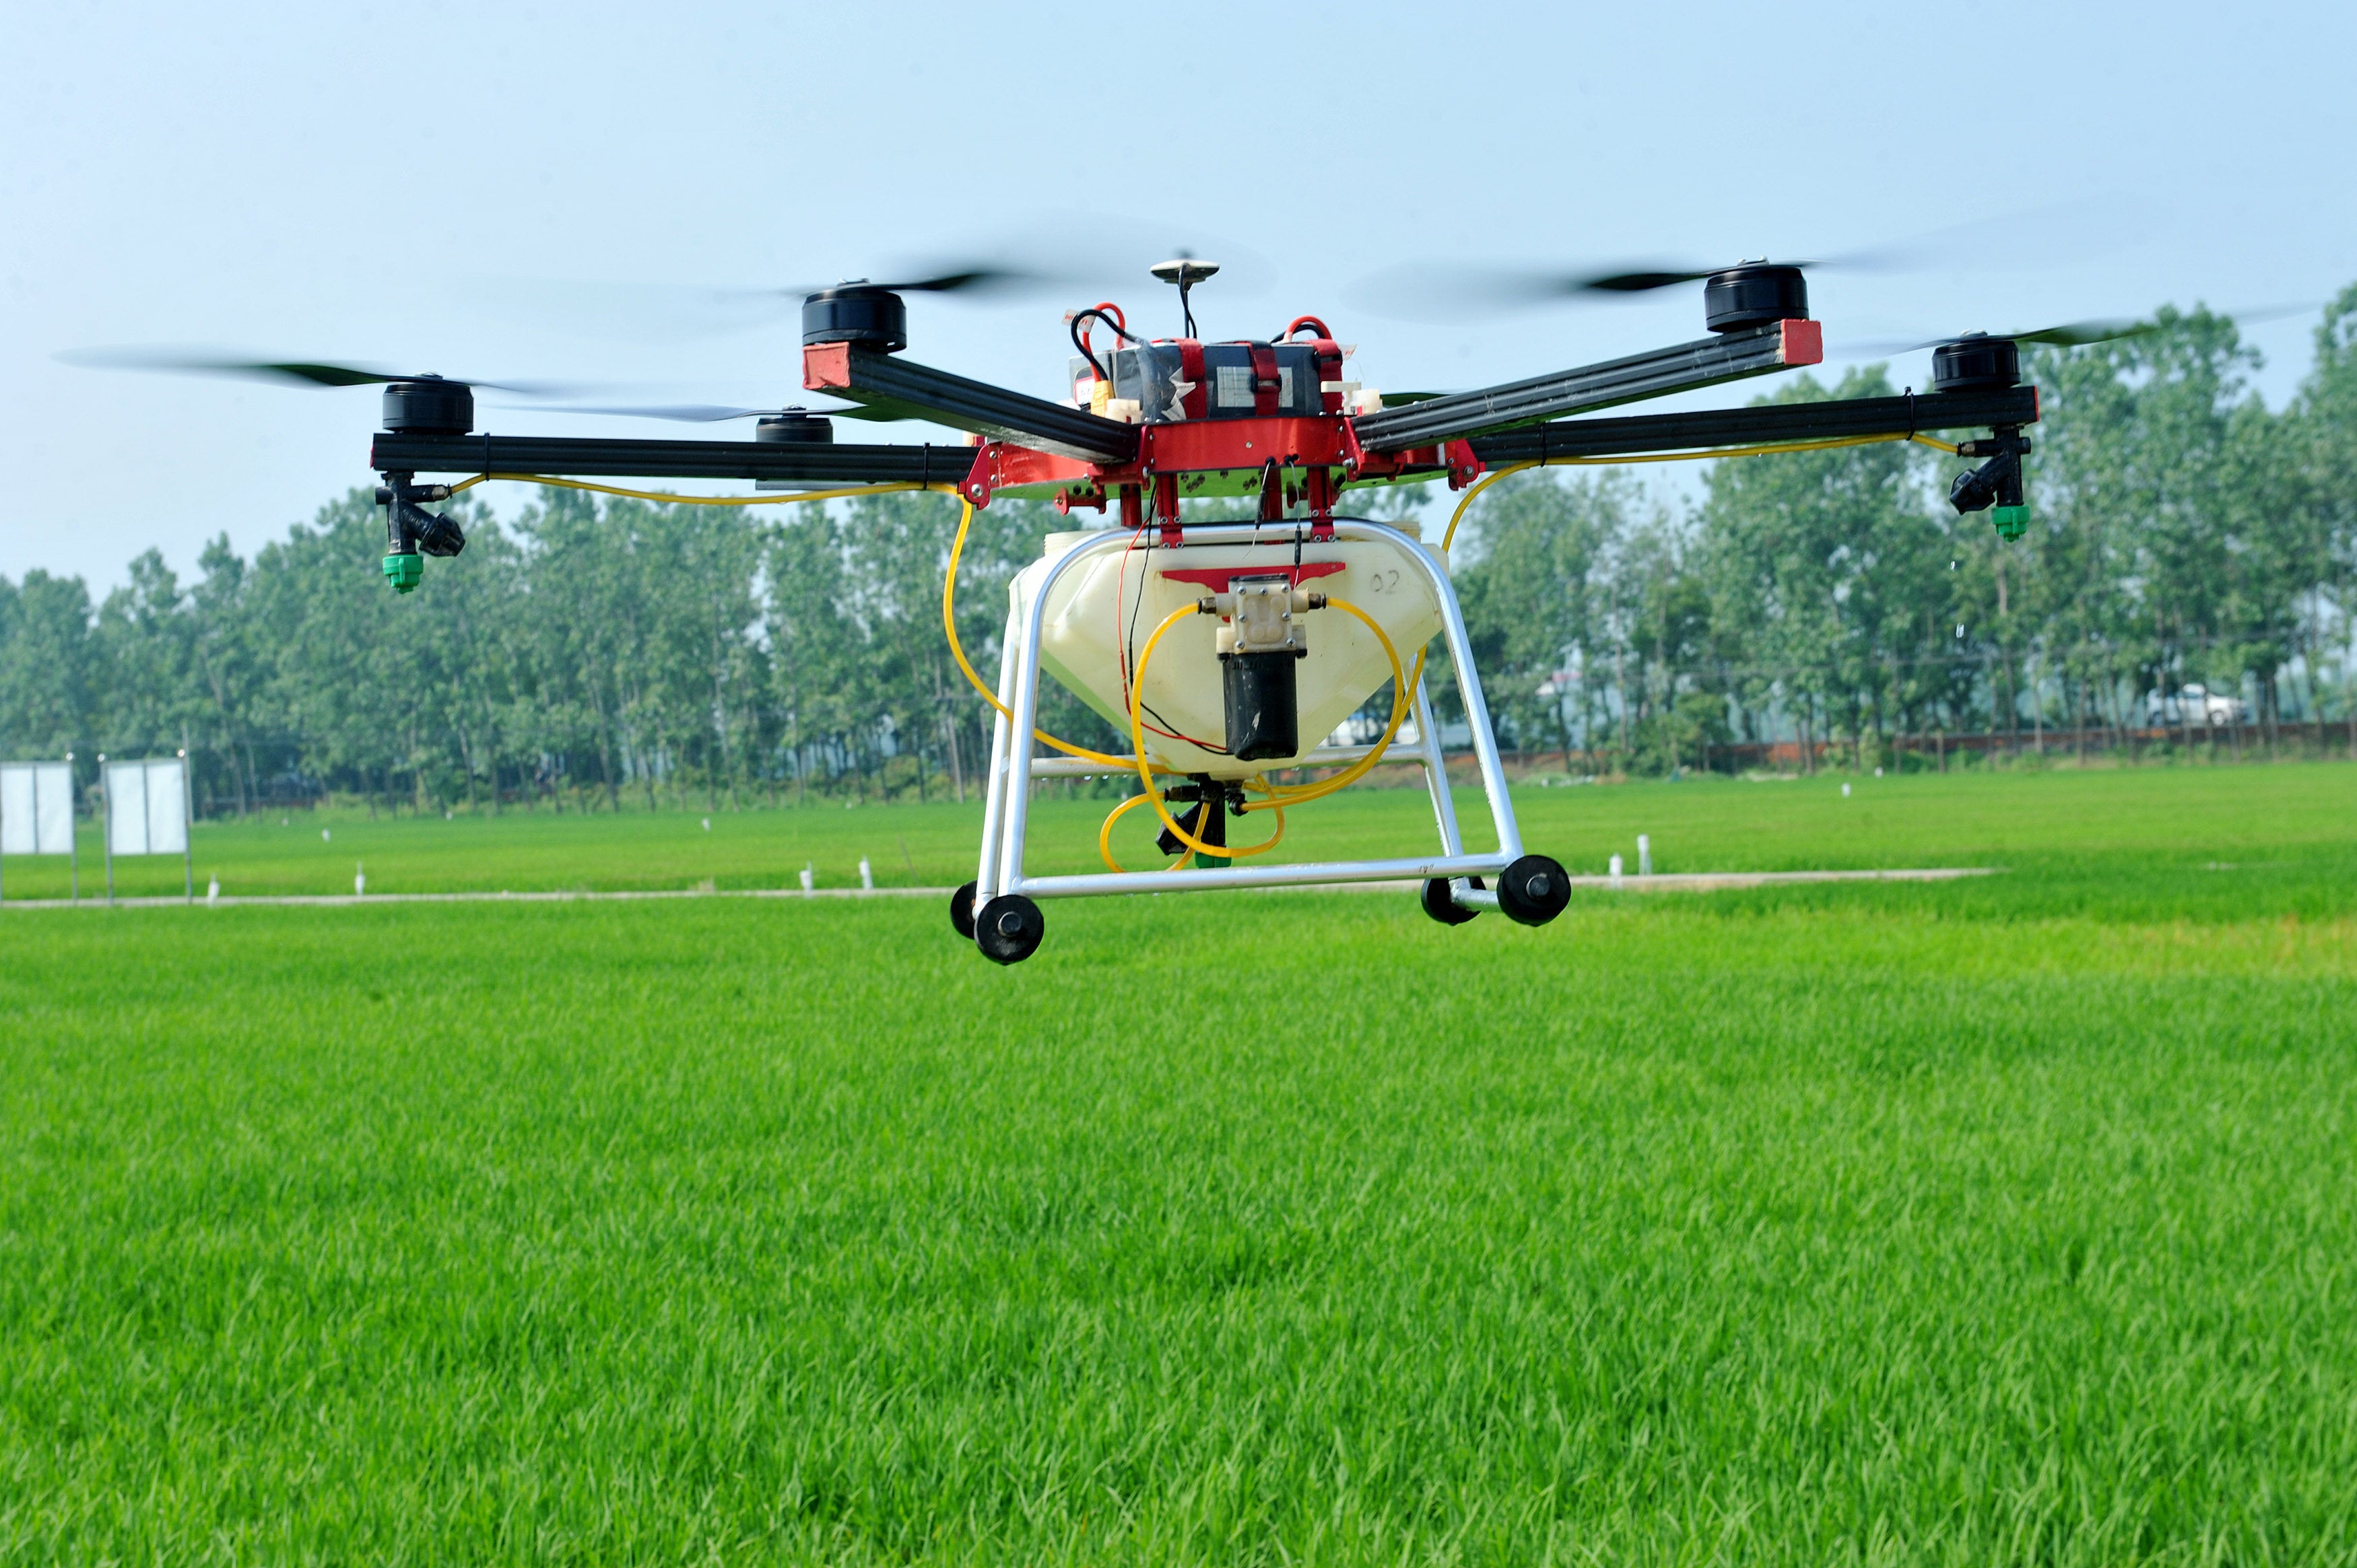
1087	252
2079	334
1638	282
2068	335
2087	226
686	412
704	412
1435	292
286	372
979	280
965	274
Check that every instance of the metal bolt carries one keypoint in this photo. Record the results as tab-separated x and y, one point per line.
1539	886
1010	924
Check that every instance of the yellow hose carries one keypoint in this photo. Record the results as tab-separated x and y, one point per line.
1486	481
1104	837
1138	743
791	499
957	651
1295	795
1483	483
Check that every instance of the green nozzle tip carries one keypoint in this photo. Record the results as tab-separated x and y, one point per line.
2012	522
405	572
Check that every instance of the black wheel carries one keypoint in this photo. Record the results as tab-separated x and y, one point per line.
1008	930
1534	890
962	911
1441	907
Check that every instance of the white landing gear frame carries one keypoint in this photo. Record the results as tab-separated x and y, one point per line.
997	909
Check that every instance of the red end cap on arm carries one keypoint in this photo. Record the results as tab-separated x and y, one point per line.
1804	342
826	366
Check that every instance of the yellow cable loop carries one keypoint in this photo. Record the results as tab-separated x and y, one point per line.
1767	451
1137	742
957	651
1104	838
1281	795
1486	481
791	499
1483	483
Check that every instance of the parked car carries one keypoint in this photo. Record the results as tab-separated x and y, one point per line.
2195	704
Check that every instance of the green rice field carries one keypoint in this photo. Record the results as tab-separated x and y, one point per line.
2004	1220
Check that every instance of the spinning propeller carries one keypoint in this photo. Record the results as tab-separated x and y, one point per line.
713	413
2080	334
287	372
2068	335
1438	290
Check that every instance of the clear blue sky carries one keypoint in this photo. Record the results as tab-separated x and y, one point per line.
355	181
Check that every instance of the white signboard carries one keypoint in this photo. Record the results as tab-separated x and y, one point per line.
148	807
37	811
36	808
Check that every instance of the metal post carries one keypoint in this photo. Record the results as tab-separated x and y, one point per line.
1025	700
1003	771
107	826
1436	774
74	839
1023	696
1436	778
187	832
1459	644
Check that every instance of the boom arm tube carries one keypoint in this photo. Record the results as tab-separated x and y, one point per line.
842	370
809	462
1835	419
1728	357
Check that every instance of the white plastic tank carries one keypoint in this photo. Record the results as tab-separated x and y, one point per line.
1115	601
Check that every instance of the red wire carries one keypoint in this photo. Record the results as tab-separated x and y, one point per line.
1120	319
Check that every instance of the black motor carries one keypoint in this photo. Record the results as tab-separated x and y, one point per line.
429	406
793	424
863	314
1975	362
1753	295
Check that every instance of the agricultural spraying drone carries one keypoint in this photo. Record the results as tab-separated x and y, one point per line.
1228	652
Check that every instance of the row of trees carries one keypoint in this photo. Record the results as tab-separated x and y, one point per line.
2182	534
618	653
592	653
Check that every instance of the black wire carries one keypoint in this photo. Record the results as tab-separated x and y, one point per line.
1079	319
1082	349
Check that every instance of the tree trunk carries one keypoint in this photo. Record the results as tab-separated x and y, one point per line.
2037	712
1621	685
957	767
